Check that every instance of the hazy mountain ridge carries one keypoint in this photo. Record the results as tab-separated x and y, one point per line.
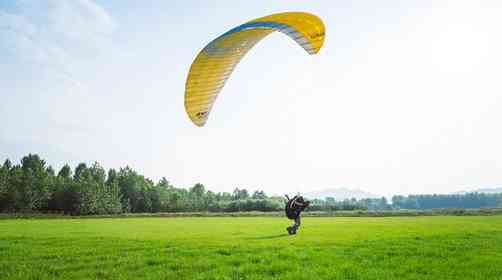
340	194
482	190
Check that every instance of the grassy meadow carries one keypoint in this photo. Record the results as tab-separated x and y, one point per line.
437	247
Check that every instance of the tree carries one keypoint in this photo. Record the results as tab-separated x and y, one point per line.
65	172
4	186
80	172
7	164
382	204
197	197
111	202
259	195
224	196
95	195
64	195
330	200
50	171
164	190
145	202
129	191
33	185
177	201
97	173
112	177
88	194
198	190
239	194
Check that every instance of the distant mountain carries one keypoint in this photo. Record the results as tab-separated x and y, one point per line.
340	194
483	190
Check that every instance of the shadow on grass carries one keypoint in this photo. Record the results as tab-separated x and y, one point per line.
268	236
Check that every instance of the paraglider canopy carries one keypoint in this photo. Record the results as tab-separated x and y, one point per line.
214	64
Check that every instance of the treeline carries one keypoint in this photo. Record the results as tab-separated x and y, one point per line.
331	204
34	186
433	201
413	202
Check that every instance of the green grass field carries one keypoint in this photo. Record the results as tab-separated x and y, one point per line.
252	248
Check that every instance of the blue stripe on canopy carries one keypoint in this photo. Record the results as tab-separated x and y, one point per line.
211	49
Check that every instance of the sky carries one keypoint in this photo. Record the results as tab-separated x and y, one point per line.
403	98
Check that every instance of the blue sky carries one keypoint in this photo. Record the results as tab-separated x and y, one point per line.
404	97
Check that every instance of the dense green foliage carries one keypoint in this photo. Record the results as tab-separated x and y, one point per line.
34	186
252	248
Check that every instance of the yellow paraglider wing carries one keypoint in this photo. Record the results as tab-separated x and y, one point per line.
214	64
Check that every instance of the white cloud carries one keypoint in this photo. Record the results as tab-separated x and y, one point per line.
81	22
67	32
